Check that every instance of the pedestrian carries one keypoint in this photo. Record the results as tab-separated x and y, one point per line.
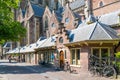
9	58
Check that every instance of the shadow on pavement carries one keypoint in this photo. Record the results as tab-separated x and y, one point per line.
21	69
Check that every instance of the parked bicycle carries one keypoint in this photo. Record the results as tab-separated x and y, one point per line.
102	67
67	67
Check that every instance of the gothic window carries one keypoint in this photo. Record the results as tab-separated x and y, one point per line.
46	23
101	4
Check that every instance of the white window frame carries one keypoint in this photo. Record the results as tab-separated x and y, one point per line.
77	61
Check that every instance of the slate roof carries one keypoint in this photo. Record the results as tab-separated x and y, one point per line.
30	48
110	18
95	31
59	13
82	24
49	42
38	10
7	45
77	4
76	15
22	49
11	51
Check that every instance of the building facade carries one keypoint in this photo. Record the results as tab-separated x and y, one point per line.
70	33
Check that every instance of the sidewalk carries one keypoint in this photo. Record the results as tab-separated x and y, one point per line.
3	77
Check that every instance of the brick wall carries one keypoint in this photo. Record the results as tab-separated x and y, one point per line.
108	6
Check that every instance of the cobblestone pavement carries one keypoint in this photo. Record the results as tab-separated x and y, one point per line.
23	71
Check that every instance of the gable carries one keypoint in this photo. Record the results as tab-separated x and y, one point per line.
54	24
20	17
46	17
29	11
68	18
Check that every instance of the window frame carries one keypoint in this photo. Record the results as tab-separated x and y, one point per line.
100	52
77	61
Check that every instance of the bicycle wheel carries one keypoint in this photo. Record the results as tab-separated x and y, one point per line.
69	68
92	71
109	71
65	68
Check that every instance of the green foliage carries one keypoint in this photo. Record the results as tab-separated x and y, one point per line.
118	57
10	30
117	54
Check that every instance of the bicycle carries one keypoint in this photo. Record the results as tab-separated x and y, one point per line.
109	71
102	67
67	67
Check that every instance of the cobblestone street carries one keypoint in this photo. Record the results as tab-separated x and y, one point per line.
23	71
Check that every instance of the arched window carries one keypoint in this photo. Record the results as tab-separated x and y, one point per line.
101	4
61	40
46	23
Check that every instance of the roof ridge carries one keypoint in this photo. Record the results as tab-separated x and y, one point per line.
93	30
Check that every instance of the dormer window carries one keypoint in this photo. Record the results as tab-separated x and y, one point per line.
101	4
30	46
67	20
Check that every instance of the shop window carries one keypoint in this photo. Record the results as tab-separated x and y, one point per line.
96	52
104	52
51	56
101	53
75	56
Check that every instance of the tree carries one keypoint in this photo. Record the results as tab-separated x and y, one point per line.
10	30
